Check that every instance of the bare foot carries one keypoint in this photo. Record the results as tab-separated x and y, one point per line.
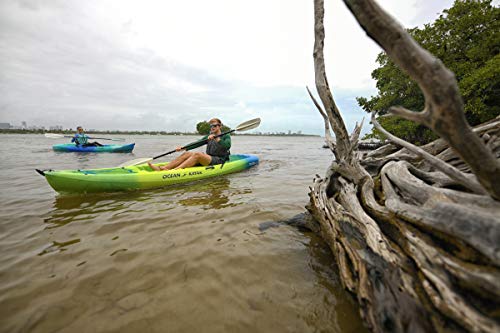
154	167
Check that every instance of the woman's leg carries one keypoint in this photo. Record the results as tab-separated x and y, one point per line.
196	158
178	161
173	163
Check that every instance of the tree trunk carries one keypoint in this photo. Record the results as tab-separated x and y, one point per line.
415	230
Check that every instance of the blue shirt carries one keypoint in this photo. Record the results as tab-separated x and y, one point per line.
80	139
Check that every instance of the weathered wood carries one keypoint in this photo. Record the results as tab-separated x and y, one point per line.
435	162
415	230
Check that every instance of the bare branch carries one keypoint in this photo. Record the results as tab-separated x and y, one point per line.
356	132
355	139
338	126
405	113
328	137
434	161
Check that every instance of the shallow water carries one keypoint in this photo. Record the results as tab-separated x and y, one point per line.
193	257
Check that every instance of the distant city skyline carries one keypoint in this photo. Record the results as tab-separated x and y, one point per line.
24	126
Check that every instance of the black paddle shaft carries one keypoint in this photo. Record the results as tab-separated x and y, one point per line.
193	144
91	137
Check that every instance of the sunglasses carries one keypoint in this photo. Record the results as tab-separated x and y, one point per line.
214	125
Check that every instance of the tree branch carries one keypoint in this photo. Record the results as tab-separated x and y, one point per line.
338	126
328	137
434	161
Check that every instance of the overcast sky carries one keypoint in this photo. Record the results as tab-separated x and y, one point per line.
166	65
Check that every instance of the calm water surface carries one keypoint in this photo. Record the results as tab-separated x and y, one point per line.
191	258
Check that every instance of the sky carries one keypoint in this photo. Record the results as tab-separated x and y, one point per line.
167	65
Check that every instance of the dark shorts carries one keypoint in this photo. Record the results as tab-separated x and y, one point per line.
216	160
91	144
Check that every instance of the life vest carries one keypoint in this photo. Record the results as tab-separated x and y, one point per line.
80	139
214	148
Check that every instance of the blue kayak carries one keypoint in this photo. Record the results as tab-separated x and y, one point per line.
95	149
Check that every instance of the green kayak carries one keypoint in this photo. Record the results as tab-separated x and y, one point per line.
138	177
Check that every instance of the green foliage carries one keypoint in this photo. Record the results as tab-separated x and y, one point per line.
481	91
203	128
465	38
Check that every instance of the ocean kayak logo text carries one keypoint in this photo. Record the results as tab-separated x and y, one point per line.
171	175
177	175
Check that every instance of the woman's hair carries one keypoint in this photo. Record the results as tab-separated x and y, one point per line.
215	119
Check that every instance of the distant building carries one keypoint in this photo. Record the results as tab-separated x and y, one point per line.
56	128
37	128
5	126
24	125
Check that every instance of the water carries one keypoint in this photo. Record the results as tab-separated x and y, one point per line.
184	259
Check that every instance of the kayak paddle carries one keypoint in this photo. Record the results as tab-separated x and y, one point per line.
247	125
58	136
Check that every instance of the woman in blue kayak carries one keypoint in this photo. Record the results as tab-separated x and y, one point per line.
217	150
82	139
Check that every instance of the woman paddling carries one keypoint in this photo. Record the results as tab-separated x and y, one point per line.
217	150
82	139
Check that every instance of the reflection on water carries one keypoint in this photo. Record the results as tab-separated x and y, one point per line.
58	246
71	208
214	194
208	194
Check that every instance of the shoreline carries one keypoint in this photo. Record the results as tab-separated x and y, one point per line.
20	131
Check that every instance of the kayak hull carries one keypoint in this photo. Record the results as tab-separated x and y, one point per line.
139	177
71	147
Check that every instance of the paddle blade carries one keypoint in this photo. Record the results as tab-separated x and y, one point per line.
137	161
248	125
54	136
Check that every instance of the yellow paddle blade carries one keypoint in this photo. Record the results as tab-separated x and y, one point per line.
248	125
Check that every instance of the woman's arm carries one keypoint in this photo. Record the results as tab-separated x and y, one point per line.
197	144
225	141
